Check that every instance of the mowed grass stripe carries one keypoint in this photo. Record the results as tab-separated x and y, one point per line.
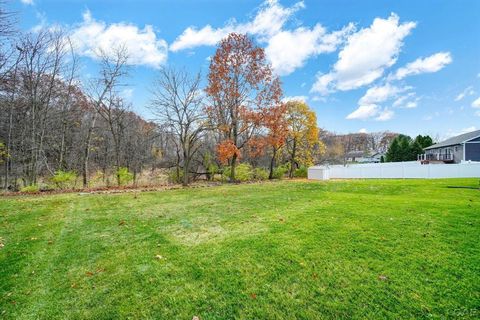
294	249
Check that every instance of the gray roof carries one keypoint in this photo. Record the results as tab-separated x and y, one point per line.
456	140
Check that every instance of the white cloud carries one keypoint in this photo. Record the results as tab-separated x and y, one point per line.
366	55
467	92
369	103
379	94
385	115
287	50
27	2
452	133
429	64
363	130
466	130
127	93
207	36
295	98
364	112
268	21
476	103
411	104
402	101
42	22
319	99
143	46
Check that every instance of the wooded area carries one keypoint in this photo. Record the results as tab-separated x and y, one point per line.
58	130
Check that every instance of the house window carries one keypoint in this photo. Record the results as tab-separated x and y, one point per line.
456	148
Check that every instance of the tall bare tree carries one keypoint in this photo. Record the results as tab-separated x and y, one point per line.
103	96
178	104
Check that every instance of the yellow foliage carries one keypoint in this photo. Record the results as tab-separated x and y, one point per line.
303	133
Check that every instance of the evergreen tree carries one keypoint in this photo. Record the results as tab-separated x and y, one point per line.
393	150
403	148
424	141
415	149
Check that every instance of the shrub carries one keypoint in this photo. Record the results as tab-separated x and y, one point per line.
243	172
124	175
64	179
30	189
301	172
212	169
260	174
174	177
280	171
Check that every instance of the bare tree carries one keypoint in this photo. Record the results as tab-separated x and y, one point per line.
103	94
178	103
43	62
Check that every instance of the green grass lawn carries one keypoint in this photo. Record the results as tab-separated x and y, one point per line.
375	249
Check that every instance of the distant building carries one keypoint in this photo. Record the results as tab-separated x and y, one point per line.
377	157
465	147
363	157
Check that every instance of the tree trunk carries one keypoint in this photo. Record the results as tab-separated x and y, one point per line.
272	163
186	165
232	168
292	161
87	151
185	173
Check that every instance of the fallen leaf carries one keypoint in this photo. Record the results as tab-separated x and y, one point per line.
382	277
89	273
253	296
195	318
121	223
159	257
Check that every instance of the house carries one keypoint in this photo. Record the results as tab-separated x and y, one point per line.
377	157
356	156
362	157
465	147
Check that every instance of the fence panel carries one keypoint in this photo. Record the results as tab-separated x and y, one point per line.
395	170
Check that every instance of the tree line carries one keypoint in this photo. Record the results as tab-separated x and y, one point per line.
60	130
57	129
404	148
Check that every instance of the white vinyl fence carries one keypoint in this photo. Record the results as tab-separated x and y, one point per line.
395	170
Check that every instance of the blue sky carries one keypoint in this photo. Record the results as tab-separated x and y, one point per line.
404	66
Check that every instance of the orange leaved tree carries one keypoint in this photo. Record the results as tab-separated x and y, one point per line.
240	85
275	121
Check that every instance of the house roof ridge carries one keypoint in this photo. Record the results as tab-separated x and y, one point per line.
462	138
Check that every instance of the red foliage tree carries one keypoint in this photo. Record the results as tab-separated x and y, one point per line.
276	123
240	85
